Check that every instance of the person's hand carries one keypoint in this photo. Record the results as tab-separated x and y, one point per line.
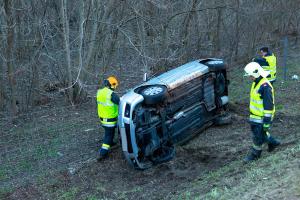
266	127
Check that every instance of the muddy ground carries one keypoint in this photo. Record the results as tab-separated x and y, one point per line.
66	167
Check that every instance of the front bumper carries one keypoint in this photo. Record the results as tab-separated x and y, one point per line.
130	149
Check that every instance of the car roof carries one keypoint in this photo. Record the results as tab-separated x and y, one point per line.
179	75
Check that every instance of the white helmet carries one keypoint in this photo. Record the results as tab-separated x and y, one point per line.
255	70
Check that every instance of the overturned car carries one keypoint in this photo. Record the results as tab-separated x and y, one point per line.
171	109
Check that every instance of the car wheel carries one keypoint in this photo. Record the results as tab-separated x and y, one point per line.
223	120
154	94
215	65
220	84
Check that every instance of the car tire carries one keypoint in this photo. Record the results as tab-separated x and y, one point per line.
215	65
223	120
154	94
220	84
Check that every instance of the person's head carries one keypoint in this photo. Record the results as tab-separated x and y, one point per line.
111	82
264	51
254	70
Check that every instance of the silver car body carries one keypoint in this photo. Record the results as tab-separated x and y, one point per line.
171	80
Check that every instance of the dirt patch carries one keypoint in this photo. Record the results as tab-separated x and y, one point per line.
26	192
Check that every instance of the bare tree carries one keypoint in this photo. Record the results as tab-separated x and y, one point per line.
66	35
9	55
70	45
94	9
237	29
78	89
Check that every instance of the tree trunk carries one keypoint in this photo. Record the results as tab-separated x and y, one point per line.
35	83
186	24
237	30
66	32
92	40
217	45
9	56
78	89
104	41
2	103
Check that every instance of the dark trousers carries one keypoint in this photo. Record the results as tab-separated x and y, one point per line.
108	139
259	136
109	135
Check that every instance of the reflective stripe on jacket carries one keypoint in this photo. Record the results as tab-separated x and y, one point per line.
257	111
107	110
272	66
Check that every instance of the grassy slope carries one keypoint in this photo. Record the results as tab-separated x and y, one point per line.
274	176
43	145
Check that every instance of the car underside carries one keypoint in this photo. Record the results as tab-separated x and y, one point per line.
156	116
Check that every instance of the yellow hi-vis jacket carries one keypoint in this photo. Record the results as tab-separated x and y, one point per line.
272	66
257	111
107	110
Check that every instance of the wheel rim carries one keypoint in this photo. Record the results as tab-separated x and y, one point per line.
152	91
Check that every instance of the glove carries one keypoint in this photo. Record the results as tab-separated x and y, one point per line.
266	127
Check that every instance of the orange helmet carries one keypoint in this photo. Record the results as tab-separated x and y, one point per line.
113	82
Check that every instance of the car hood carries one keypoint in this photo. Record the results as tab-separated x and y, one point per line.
179	75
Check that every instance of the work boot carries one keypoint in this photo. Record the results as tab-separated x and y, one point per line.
272	144
113	144
253	155
103	153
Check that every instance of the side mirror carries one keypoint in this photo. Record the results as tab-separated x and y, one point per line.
145	77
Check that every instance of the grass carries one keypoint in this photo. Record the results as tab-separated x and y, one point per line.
297	190
239	86
37	142
3	173
100	187
124	194
214	194
279	107
48	151
69	194
253	177
26	159
24	165
5	191
39	146
92	197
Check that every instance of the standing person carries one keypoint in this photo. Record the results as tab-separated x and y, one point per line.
268	63
262	110
108	102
